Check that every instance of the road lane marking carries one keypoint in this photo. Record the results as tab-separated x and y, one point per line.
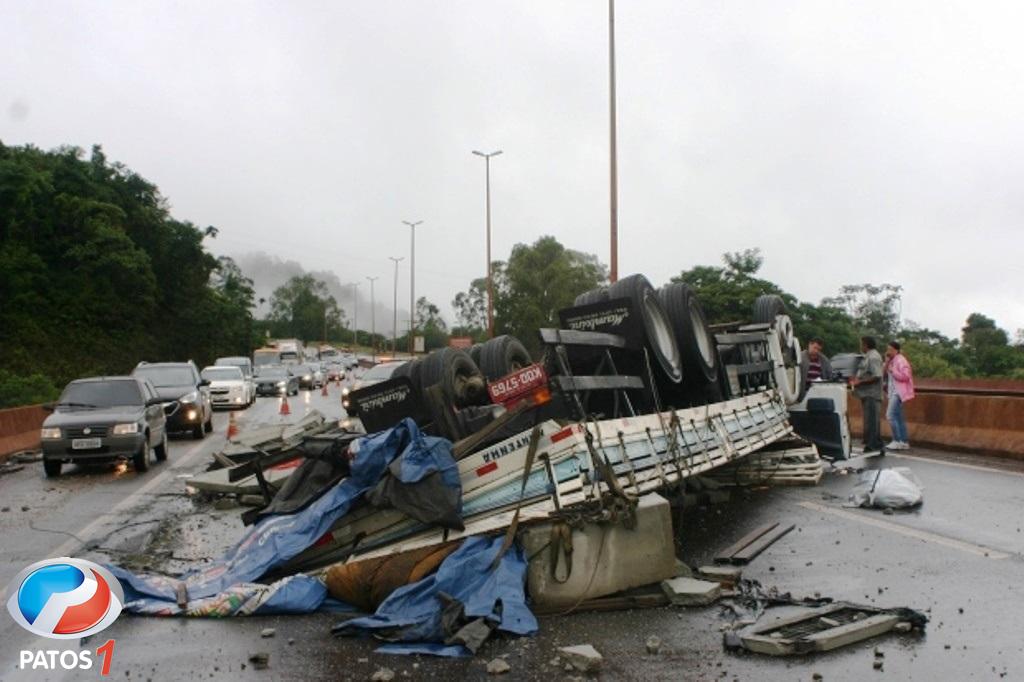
85	534
908	531
972	467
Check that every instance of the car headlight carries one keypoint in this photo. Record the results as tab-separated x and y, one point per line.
50	433
346	391
282	384
189	397
306	378
125	429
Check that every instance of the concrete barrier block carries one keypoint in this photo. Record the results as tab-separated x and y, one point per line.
608	557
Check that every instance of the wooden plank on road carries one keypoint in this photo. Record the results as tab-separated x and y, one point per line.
725	556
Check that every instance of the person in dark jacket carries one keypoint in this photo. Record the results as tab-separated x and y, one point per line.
816	365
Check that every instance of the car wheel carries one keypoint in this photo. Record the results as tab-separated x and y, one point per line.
198	432
141	458
503	355
52	467
161	450
208	426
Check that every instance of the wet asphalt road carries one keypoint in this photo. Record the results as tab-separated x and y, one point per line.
959	558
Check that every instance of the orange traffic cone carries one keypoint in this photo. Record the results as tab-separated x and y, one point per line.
323	390
285	410
232	426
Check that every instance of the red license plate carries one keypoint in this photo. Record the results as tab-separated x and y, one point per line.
512	387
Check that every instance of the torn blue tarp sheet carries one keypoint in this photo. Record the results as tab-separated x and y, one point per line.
294	594
276	539
413	617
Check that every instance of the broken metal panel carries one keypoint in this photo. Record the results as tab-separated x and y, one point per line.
821	629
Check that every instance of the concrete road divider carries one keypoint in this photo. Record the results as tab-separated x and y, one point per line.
19	428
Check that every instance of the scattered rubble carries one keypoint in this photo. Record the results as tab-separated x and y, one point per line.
653	644
383	675
690	591
498	666
260	660
582	657
267	632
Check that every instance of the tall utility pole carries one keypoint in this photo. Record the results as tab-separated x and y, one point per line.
614	203
355	314
490	279
394	326
373	321
412	279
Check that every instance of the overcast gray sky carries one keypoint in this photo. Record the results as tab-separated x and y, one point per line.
851	142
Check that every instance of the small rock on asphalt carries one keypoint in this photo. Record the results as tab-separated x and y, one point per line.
653	644
903	627
383	675
817	677
260	660
498	666
267	632
583	657
877	664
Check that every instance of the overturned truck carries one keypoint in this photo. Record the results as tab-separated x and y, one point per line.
634	393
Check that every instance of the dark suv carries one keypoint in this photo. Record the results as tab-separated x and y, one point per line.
104	419
181	382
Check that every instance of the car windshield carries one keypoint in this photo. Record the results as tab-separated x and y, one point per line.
273	373
222	374
167	376
302	369
382	371
90	394
232	362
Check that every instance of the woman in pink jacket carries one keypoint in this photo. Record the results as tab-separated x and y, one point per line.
900	377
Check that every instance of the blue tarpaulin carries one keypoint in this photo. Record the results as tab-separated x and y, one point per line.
411	617
274	540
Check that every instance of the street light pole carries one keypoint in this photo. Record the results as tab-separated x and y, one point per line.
355	315
614	174
490	279
394	325
412	279
373	321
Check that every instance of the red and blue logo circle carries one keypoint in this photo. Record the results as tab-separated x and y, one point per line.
65	598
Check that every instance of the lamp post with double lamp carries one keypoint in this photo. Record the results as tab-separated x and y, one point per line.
412	278
394	325
490	279
373	321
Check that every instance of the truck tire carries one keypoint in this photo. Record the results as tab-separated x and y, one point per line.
474	352
598	295
696	343
767	307
661	339
459	377
502	355
786	370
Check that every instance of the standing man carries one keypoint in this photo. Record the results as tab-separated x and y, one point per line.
900	377
867	386
816	365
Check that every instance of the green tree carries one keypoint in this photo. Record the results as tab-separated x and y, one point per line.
430	325
987	348
303	307
874	308
95	274
728	293
471	310
538	280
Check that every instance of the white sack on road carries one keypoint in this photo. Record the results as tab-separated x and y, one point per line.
895	488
